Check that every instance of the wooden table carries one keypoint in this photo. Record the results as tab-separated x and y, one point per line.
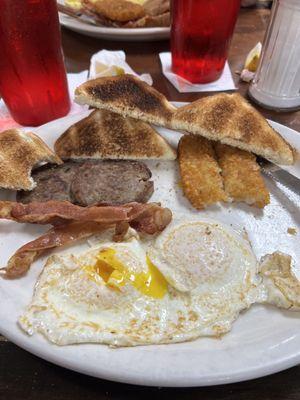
23	376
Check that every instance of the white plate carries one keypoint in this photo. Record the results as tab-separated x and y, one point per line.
109	33
263	340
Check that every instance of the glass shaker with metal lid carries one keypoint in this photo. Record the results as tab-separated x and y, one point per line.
276	84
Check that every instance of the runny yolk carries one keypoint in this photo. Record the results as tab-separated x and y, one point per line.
115	274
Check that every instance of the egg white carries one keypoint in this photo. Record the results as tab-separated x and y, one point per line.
205	254
211	276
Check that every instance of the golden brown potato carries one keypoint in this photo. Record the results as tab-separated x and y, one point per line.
242	177
200	173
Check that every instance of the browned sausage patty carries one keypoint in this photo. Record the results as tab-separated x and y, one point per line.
91	182
112	182
53	183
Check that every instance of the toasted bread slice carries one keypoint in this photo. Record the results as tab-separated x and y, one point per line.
126	95
19	153
241	176
200	173
106	135
230	119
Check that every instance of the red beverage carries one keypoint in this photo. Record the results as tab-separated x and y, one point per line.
33	80
200	36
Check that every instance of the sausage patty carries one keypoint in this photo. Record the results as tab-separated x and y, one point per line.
91	182
112	182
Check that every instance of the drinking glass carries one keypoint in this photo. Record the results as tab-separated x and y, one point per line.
33	80
201	31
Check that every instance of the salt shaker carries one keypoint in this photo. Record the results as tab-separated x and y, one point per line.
276	84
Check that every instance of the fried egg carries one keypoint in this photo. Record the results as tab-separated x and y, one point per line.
192	280
281	283
203	254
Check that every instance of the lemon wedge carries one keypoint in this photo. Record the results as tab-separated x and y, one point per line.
252	59
75	4
105	70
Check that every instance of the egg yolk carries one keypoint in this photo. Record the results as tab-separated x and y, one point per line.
115	274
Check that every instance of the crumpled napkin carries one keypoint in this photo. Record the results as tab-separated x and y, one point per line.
112	63
225	82
74	80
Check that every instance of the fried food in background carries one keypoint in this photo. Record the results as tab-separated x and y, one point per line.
156	7
119	10
150	21
200	173
125	13
241	175
157	14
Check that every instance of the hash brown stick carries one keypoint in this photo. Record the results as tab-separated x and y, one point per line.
242	177
200	172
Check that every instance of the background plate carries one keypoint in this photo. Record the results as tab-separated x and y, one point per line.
263	340
123	34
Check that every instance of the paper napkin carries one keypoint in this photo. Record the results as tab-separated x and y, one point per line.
225	82
107	63
74	80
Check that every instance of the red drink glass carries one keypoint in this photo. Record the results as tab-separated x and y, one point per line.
201	31
33	80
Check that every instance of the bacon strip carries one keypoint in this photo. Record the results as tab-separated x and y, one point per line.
59	212
150	219
6	208
21	261
55	212
146	218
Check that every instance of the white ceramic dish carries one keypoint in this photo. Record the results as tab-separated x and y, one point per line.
263	340
121	34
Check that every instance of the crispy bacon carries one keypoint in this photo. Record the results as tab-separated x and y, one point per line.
21	261
151	219
6	210
59	212
72	223
56	212
121	231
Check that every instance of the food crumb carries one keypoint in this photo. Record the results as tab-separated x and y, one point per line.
292	231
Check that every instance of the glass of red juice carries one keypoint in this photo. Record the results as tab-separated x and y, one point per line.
33	80
201	31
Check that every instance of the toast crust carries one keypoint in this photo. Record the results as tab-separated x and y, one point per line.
106	135
227	118
20	152
126	95
230	119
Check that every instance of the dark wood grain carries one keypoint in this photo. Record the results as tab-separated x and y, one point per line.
23	376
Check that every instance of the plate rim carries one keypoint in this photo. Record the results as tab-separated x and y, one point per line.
241	376
107	30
